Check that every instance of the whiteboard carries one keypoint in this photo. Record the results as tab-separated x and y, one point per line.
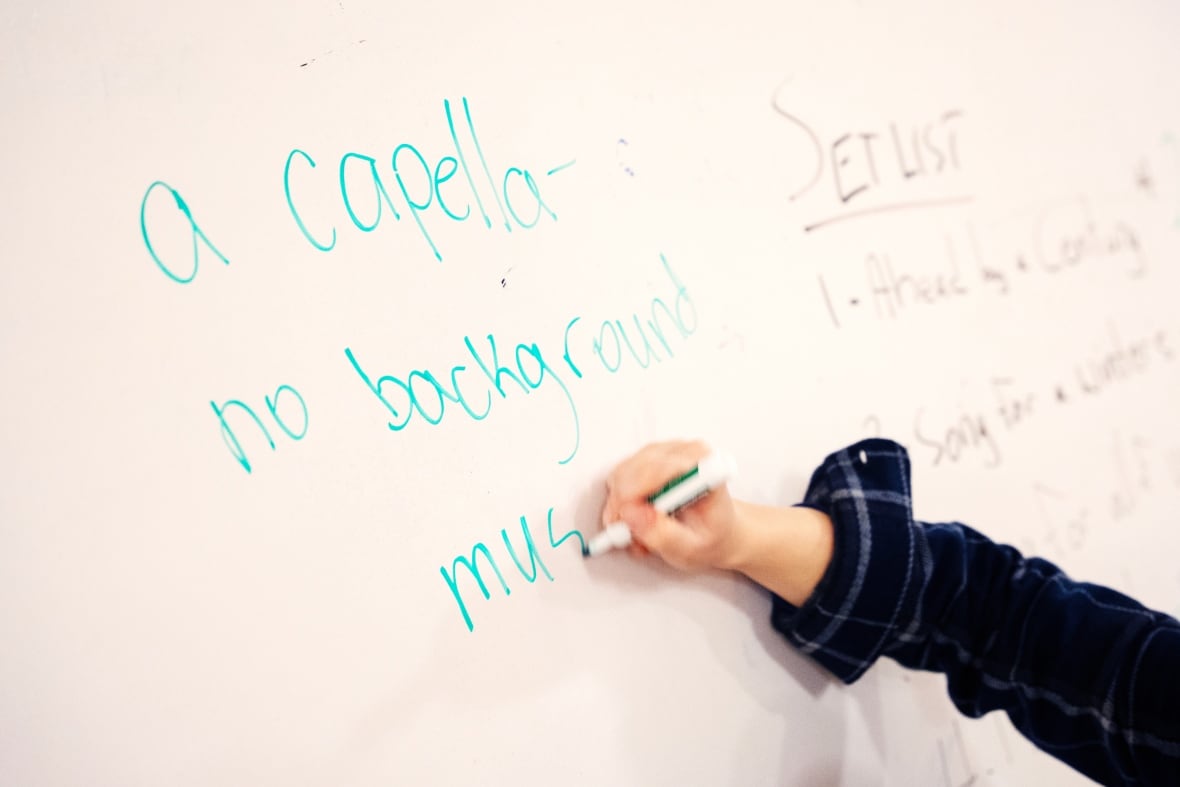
306	304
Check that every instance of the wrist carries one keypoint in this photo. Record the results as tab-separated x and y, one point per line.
786	550
747	539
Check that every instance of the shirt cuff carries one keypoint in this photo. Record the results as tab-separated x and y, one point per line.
869	594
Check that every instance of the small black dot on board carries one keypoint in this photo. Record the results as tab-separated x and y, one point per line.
854	301
503	282
1020	263
1060	393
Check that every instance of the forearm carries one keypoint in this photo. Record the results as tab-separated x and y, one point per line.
1082	671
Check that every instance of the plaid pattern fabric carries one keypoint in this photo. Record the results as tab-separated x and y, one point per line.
1085	673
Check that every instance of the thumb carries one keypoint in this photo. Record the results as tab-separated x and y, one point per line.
658	532
640	517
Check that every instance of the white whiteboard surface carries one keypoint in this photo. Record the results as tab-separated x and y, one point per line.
953	224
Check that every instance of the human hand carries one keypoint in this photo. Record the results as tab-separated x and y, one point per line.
702	535
786	550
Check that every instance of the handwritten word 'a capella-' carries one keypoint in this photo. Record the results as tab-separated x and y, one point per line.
365	196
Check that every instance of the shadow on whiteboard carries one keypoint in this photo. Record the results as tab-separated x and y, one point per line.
610	631
747	600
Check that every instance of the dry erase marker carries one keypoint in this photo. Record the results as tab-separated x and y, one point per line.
712	471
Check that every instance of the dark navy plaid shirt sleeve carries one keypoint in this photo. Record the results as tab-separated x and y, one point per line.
1085	673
